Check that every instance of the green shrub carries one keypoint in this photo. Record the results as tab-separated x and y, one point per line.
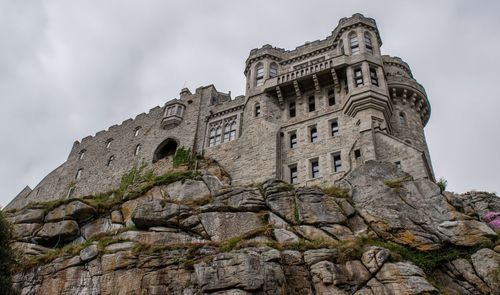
182	157
7	258
397	183
442	183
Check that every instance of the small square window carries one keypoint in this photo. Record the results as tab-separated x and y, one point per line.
398	164
357	154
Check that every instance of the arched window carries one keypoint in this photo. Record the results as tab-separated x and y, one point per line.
137	149
167	148
110	161
218	135
108	143
212	137
78	174
368	43
354	43
137	131
341	47
273	70
257	110
232	133
259	75
82	154
402	119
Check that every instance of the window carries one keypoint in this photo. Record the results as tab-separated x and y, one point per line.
358	77
373	76
293	140
273	70
294	174
232	133
218	135
291	109
334	125
357	154
337	162
257	109
408	142
212	137
137	130
108	143
315	168
312	103
78	174
354	43
82	154
346	84
110	160
398	164
137	149
331	97
314	134
368	43
341	46
179	110
402	119
227	131
259	75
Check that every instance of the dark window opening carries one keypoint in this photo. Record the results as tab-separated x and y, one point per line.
167	148
331	98
294	175
358	77
293	140
257	110
357	154
335	128
337	162
291	109
314	134
315	168
398	164
312	104
373	76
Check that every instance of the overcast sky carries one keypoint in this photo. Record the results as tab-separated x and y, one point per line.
71	68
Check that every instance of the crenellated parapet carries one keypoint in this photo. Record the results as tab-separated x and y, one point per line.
404	89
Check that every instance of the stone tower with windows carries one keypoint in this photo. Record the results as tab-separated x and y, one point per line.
309	116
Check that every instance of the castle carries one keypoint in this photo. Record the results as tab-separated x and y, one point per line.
309	116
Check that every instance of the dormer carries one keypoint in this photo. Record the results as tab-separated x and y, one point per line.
173	114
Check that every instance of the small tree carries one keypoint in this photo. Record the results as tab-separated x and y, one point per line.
442	183
6	257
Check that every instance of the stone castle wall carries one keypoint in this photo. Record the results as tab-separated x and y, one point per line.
368	116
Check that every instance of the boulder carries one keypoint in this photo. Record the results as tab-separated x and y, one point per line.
312	233
58	232
285	236
116	217
331	278
24	231
340	232
222	226
316	208
401	278
29	248
99	227
280	198
374	257
27	215
159	213
89	253
428	221
187	191
486	262
314	256
174	236
236	199
213	183
75	210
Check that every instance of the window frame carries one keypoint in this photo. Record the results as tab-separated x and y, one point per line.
294	174
311	103
337	162
313	134
334	132
314	168
259	75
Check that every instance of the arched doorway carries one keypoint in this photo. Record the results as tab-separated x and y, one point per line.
165	149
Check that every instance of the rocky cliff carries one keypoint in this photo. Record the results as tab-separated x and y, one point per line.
376	232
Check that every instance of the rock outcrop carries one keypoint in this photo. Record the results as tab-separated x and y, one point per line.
381	233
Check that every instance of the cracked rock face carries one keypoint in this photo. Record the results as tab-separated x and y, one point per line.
204	237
